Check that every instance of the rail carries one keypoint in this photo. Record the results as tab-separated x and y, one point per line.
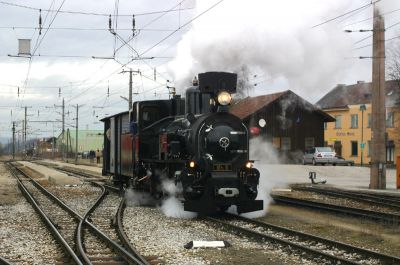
373	215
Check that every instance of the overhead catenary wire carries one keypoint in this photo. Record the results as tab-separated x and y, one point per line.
37	45
131	37
92	13
370	18
345	14
104	100
184	25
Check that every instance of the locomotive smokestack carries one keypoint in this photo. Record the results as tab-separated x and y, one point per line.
195	81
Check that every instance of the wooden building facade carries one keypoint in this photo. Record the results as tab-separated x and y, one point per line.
291	123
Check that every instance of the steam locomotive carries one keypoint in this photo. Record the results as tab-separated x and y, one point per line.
194	141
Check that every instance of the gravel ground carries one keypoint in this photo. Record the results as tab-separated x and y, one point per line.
162	239
355	231
21	228
79	197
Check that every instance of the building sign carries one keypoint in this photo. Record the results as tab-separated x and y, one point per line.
344	134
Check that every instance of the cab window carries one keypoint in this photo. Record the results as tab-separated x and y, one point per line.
149	115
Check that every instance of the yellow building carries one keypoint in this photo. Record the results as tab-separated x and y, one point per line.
350	134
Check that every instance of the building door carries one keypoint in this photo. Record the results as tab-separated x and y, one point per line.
337	145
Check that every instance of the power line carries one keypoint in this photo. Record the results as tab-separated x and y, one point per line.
363	39
85	29
184	25
92	13
345	14
369	45
370	18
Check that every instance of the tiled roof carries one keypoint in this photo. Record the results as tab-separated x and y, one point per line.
359	93
251	105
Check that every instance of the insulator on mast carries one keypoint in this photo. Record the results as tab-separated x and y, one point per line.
59	91
109	22
40	21
133	25
18	91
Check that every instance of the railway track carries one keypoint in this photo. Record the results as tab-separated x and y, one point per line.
3	261
381	200
356	212
78	173
59	222
112	252
318	248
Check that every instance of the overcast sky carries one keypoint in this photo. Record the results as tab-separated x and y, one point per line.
271	44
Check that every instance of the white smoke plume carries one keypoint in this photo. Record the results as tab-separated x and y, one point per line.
138	198
266	157
172	206
269	38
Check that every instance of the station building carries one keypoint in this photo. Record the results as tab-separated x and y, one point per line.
87	140
350	134
292	124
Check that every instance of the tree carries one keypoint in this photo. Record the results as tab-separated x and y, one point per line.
393	63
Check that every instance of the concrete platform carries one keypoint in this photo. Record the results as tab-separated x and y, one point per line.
51	175
346	177
89	169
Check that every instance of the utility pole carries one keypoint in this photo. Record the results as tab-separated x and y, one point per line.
13	137
378	152
63	128
24	125
130	89
76	133
130	85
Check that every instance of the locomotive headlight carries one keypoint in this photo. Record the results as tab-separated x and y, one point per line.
224	98
249	165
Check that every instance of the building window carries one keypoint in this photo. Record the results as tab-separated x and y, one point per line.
309	142
369	148
325	126
354	121
285	145
390	151
338	122
369	120
354	148
389	119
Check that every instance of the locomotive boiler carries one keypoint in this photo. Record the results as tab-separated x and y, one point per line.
194	141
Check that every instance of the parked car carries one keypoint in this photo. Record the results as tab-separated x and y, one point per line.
319	155
85	154
341	161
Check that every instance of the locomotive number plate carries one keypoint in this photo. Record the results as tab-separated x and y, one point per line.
222	167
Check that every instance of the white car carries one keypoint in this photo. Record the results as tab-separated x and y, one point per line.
320	155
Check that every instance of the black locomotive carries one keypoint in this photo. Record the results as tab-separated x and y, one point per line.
194	141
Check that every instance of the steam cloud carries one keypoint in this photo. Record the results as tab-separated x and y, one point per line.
172	206
268	39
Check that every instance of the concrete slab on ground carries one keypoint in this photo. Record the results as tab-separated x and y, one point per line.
53	176
91	169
